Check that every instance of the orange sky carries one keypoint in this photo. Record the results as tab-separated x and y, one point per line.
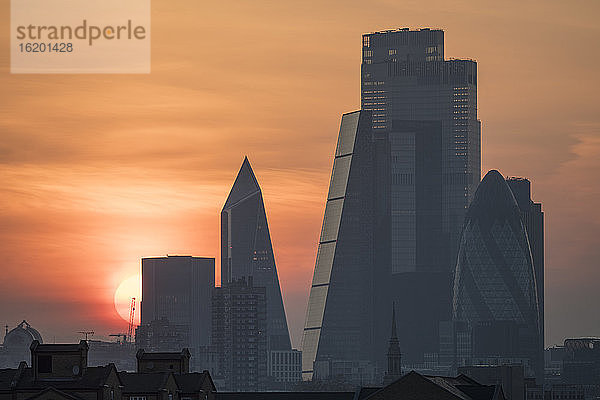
98	171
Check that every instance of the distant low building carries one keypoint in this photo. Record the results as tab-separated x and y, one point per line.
553	363
15	347
284	367
355	372
581	364
120	353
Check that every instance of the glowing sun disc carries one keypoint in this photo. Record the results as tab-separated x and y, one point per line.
130	287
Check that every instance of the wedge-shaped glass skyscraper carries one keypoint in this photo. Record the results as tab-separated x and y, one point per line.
339	322
495	292
246	250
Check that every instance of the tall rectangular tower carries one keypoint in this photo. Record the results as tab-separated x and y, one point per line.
179	288
239	335
533	220
405	170
426	108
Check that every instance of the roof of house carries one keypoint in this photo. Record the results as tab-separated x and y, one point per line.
6	377
414	386
284	396
484	392
142	355
194	381
145	382
53	348
56	394
92	378
365	392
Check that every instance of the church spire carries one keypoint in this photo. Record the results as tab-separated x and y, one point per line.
394	356
394	334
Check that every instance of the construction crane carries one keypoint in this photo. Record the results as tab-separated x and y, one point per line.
86	333
131	323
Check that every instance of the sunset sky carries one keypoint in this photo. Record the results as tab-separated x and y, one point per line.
98	171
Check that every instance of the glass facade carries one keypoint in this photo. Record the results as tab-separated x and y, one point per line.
495	290
405	169
246	250
426	109
338	323
179	288
533	219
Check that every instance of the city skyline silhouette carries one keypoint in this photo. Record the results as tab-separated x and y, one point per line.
100	171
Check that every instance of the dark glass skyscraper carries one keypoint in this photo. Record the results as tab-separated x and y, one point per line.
395	210
495	290
533	219
340	317
246	250
179	289
425	111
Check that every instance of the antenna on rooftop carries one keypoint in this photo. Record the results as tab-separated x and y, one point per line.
86	333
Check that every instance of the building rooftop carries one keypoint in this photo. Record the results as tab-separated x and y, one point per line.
143	382
194	381
92	378
414	386
284	396
58	348
396	30
174	355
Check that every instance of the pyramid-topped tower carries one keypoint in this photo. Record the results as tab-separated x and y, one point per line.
246	250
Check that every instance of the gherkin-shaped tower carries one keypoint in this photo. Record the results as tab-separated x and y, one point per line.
495	294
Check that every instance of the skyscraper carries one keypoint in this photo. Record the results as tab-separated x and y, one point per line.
340	317
425	111
179	289
239	335
396	204
495	291
246	250
533	219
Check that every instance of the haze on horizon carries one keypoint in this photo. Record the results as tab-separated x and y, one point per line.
99	171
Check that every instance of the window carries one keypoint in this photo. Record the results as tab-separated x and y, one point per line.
366	41
44	363
112	394
137	398
430	49
170	396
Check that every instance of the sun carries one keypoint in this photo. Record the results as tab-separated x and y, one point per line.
129	288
